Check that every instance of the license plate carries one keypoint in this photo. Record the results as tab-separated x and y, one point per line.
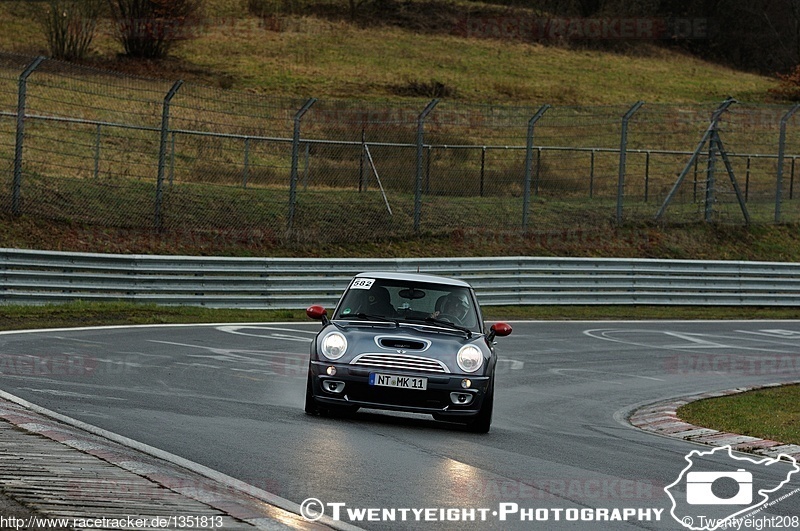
402	382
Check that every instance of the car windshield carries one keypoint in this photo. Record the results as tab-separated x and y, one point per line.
400	300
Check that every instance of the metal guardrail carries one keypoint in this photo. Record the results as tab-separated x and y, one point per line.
42	277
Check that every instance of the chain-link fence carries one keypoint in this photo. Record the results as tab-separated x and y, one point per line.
112	150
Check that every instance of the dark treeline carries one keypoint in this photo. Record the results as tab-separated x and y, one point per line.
755	35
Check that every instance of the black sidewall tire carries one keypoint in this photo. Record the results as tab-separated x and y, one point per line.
482	422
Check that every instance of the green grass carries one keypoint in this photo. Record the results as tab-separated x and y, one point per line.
80	313
333	57
697	241
772	413
19	317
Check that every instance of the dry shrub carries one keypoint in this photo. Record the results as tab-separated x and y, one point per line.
69	26
789	87
427	89
150	28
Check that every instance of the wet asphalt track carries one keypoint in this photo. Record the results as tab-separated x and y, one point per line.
230	398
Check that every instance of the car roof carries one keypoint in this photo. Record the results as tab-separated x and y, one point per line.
413	277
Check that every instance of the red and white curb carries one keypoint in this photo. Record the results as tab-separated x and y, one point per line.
234	498
661	418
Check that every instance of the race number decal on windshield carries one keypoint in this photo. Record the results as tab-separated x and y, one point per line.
362	283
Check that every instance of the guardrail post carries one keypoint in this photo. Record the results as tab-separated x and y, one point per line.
162	152
781	152
420	153
18	150
295	158
526	195
623	157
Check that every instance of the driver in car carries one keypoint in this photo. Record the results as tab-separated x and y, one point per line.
454	307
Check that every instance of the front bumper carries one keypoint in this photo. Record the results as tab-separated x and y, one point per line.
440	397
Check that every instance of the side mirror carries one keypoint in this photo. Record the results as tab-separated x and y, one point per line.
499	329
318	313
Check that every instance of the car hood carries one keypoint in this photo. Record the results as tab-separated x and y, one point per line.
421	341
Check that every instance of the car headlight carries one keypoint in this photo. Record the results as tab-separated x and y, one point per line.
469	358
333	346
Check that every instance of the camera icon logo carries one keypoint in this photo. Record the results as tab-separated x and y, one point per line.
712	488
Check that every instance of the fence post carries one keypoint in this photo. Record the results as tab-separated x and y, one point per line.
526	194
707	137
246	169
162	152
713	148
747	179
97	152
18	150
429	151
483	168
420	153
623	156
295	158
361	179
781	152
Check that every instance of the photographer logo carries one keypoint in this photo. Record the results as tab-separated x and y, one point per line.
719	490
701	490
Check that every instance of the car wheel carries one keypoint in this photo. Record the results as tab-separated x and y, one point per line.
311	407
481	422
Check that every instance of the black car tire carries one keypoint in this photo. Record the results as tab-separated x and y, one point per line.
311	407
339	411
481	422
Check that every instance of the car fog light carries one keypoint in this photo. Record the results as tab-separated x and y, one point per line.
466	383
332	386
461	399
331	371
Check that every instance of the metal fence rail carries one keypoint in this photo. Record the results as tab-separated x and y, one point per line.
111	151
40	277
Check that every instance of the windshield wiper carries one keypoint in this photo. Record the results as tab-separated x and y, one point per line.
369	317
445	323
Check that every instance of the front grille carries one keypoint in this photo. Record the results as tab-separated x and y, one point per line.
400	361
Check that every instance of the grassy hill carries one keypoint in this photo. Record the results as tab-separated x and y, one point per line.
316	50
396	56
